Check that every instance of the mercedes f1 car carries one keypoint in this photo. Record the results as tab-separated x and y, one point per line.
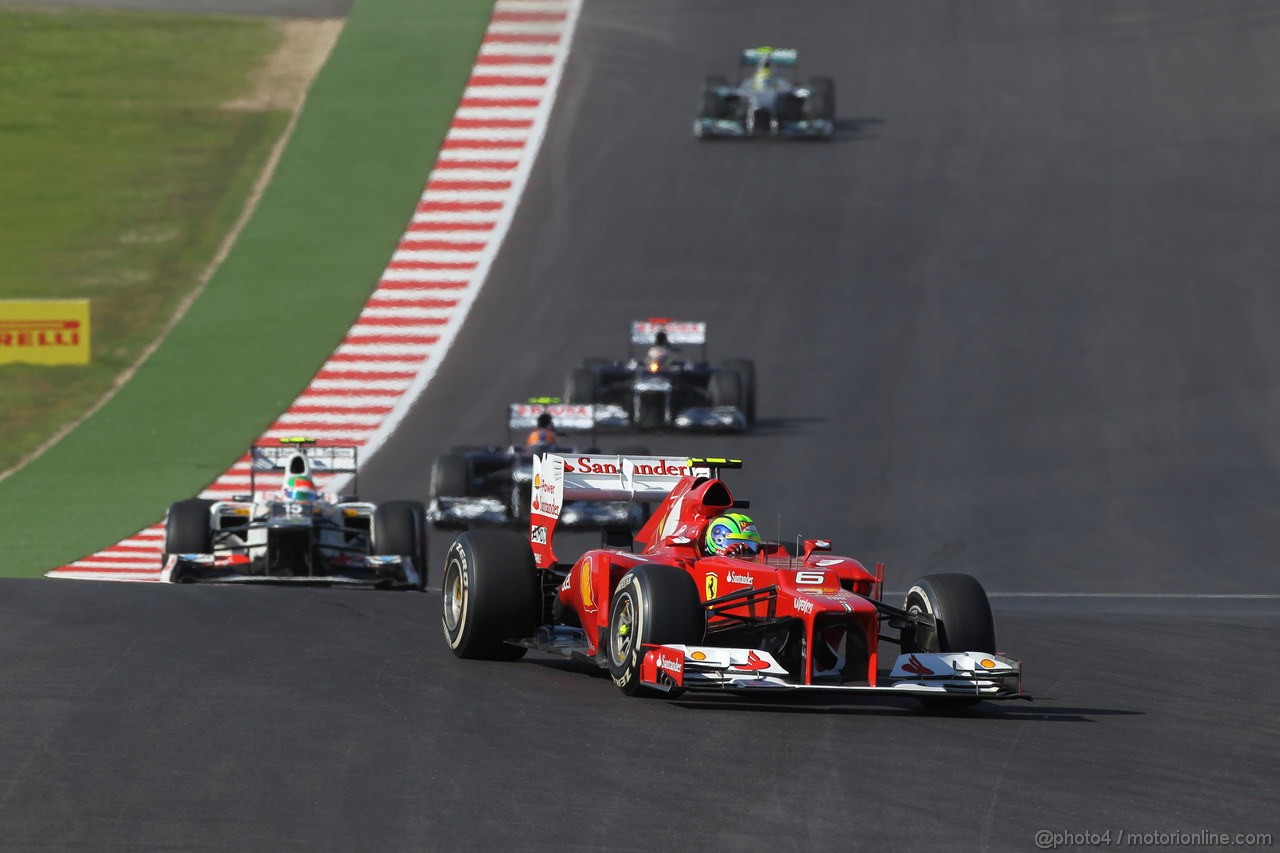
655	388
664	615
298	534
766	103
489	486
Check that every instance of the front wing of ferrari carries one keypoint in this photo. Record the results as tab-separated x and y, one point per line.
953	674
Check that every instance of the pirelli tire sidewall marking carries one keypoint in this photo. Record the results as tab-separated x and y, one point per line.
457	561
628	670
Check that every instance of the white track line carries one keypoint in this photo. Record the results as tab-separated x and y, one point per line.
396	344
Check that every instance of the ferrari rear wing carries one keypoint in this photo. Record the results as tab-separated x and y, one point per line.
637	479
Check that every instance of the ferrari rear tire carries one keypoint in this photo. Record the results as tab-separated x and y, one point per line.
580	386
450	476
400	529
962	613
490	594
747	369
652	605
188	529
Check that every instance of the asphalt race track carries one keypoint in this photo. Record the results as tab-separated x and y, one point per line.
1015	320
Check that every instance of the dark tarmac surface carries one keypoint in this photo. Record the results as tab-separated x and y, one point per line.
1016	320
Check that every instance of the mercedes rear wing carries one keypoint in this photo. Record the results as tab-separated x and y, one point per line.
590	477
779	56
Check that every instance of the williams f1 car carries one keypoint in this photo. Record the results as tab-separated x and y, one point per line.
298	534
489	486
666	615
765	103
656	388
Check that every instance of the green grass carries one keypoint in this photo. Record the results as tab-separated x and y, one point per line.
326	226
119	174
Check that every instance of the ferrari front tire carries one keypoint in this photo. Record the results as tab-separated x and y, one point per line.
963	622
489	594
652	605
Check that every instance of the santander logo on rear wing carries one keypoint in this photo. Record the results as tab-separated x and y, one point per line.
588	477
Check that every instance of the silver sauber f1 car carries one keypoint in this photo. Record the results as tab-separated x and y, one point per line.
490	486
657	387
765	103
298	534
698	601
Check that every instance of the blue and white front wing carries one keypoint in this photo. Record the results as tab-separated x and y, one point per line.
923	675
352	570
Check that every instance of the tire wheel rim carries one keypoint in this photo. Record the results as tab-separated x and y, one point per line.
622	637
455	597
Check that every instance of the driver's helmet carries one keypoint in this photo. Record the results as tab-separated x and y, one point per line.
299	487
764	73
732	534
657	358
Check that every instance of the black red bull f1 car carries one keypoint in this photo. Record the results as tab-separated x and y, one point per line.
662	615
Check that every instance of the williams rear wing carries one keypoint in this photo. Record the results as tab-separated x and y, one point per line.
565	417
638	479
679	332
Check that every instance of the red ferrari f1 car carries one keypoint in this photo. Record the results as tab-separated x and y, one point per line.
698	601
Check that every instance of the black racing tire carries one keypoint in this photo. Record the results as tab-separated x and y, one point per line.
580	386
652	604
652	412
962	614
725	388
451	476
400	529
789	108
490	594
822	98
188	529
711	107
747	369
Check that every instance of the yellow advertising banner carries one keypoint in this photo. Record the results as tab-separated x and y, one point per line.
44	331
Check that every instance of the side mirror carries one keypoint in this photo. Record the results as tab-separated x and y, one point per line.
812	545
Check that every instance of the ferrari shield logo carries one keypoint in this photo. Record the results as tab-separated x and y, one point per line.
713	584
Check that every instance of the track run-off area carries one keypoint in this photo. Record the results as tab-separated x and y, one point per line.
1016	319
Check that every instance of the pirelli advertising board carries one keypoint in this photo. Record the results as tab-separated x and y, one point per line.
44	331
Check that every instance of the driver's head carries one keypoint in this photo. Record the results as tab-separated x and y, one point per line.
764	71
656	358
544	421
661	338
299	487
732	534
